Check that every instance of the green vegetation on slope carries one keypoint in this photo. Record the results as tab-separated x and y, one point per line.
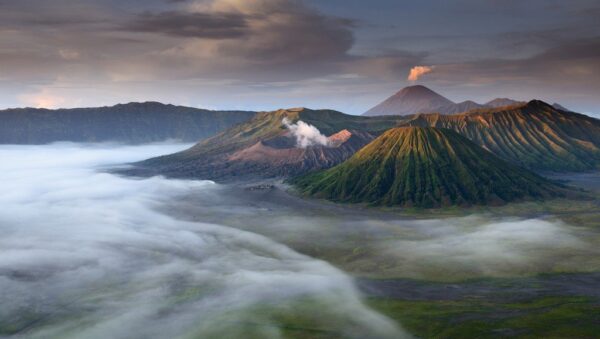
425	167
534	135
545	317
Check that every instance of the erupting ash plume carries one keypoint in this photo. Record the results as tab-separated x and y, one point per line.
306	134
417	71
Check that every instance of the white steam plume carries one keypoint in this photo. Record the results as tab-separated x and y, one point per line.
306	134
418	71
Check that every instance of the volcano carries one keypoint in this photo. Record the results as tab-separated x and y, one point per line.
411	100
426	167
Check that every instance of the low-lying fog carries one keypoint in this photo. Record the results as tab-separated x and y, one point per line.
373	243
85	253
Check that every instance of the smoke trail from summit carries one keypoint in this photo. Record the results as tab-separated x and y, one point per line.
418	71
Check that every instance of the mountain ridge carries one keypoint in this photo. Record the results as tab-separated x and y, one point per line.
425	167
502	102
134	122
420	99
499	130
233	153
410	100
533	135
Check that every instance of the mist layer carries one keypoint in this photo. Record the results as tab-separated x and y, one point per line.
87	254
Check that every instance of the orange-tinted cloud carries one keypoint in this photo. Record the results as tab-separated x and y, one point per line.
417	71
42	99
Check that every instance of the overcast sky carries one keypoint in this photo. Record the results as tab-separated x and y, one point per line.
266	54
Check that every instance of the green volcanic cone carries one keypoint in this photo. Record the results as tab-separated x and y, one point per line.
426	167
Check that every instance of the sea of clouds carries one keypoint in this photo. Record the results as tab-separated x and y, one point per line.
88	254
363	241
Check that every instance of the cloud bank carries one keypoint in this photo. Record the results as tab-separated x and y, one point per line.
476	246
368	242
87	254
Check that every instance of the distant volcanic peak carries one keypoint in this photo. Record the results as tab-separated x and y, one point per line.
560	107
501	102
420	92
425	167
420	99
519	105
458	108
416	89
410	100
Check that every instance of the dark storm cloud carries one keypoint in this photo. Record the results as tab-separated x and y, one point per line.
256	40
198	25
30	15
578	49
55	21
573	63
284	31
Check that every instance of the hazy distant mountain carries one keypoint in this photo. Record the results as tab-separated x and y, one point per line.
130	123
458	108
534	135
561	107
426	167
502	102
264	147
420	99
410	100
